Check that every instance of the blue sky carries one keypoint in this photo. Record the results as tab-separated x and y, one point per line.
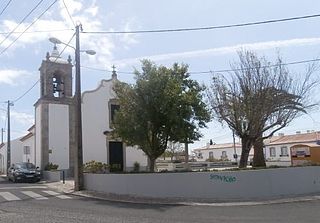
202	50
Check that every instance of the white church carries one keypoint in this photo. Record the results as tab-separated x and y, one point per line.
52	138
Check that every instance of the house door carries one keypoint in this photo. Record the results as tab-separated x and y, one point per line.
116	156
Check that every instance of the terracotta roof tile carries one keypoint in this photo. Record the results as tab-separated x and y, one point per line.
297	138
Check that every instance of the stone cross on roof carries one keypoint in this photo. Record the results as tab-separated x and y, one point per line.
114	73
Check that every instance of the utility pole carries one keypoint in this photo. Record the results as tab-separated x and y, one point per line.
235	155
8	137
78	167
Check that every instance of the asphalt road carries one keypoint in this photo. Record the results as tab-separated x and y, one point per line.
49	207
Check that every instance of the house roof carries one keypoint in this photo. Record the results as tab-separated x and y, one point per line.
219	146
32	127
297	138
27	136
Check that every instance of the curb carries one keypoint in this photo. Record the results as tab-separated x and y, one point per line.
155	201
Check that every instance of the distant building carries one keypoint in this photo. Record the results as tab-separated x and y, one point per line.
278	148
219	152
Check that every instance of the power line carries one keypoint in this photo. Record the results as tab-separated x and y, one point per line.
38	31
65	46
74	24
206	28
28	27
17	99
5	7
24	18
214	71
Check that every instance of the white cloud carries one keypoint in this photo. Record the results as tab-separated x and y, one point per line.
221	50
22	118
128	39
83	11
10	76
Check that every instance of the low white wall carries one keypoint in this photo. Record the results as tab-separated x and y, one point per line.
226	185
51	176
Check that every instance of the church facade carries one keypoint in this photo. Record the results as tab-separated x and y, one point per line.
52	139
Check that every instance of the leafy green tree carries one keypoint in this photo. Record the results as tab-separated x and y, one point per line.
161	106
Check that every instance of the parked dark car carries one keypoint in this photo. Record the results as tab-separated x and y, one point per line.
23	172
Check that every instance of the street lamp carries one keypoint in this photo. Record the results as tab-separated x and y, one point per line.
78	171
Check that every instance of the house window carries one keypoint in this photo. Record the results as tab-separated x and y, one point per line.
272	152
224	155
210	155
284	151
114	109
26	150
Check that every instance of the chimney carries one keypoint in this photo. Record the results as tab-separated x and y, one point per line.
281	134
298	132
308	131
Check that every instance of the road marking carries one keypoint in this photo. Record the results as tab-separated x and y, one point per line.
34	195
24	187
53	193
9	196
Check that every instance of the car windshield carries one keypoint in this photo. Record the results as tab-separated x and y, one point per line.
25	166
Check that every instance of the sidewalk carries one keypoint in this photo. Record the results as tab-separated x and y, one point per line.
68	188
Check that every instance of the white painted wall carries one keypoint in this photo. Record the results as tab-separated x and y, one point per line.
217	152
59	135
37	147
226	185
28	157
135	155
16	151
278	156
95	120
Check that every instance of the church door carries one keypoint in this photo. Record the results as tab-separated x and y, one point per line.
116	156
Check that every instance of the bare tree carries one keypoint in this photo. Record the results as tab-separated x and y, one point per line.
258	100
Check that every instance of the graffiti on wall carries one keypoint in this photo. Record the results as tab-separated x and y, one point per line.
223	178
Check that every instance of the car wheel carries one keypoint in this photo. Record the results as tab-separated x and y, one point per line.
14	180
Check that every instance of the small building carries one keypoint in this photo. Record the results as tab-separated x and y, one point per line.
219	152
277	148
16	150
28	146
305	154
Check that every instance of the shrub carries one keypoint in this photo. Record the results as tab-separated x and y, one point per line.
136	166
95	167
51	166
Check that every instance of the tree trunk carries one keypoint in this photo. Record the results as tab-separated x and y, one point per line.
246	146
186	152
152	164
258	157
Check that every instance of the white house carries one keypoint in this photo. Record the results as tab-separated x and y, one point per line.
16	150
28	146
219	152
277	148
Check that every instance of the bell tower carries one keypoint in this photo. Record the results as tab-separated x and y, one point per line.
54	113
